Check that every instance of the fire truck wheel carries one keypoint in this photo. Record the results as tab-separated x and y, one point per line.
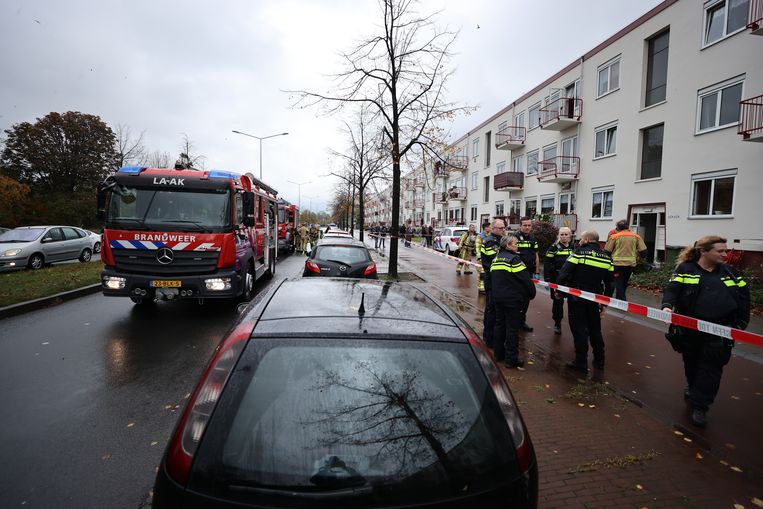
248	290
86	255
36	261
271	268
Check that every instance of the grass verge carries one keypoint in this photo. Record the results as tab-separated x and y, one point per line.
24	285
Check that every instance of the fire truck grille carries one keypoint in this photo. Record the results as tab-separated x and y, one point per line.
139	261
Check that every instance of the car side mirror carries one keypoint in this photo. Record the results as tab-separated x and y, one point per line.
46	239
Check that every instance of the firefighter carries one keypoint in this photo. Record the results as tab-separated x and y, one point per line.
555	257
482	237
512	288
314	234
466	243
528	251
704	287
302	236
588	268
626	247
488	250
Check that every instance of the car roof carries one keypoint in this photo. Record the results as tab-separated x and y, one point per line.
314	307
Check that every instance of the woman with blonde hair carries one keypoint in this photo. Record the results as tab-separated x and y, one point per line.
704	287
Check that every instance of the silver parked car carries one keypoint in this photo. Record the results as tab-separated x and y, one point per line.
36	246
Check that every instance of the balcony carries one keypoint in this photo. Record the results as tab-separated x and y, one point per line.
561	114
751	118
755	15
441	170
458	163
509	181
559	169
568	220
442	197
510	138
456	194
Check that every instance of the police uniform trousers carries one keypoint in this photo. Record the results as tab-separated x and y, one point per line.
704	356
488	317
526	305
557	307
585	323
508	319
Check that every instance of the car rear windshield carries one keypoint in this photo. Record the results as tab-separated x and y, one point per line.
343	254
385	421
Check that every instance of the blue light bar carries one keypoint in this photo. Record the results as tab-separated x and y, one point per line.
131	170
217	174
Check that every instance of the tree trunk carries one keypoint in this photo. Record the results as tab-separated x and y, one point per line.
361	211
393	238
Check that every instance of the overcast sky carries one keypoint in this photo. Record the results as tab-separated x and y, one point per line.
204	68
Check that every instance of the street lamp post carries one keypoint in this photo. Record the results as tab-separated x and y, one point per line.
299	195
260	138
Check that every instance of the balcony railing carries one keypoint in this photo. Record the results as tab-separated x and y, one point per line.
509	180
457	193
563	113
510	138
458	162
513	219
755	15
751	119
568	220
443	197
441	170
559	169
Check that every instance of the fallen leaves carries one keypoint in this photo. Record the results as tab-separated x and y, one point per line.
757	502
737	470
130	424
730	446
106	456
550	400
699	456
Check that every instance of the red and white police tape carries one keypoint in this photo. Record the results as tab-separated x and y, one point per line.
636	309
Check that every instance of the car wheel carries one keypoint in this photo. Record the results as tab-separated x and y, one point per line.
36	261
248	291
86	255
97	247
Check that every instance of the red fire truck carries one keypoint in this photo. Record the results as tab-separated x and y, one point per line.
180	234
287	226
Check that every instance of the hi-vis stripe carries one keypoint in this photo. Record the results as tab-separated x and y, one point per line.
591	261
499	264
143	244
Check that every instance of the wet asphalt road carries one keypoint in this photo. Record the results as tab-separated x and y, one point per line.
92	389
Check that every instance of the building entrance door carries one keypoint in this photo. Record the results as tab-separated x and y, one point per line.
649	222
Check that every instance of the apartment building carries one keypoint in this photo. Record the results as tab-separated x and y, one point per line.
660	124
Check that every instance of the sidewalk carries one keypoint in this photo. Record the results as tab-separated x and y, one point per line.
625	442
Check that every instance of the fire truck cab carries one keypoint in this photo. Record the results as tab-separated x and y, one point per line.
287	226
180	234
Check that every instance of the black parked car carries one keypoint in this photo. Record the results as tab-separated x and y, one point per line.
349	393
340	257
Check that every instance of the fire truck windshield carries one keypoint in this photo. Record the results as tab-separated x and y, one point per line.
205	210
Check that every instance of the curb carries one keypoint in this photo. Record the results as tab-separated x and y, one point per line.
31	305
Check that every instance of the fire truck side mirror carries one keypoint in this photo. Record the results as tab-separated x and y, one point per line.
100	212
248	202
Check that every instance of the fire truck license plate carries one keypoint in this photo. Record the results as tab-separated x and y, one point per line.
166	284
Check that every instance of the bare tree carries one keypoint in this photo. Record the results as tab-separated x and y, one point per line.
187	158
400	73
157	159
129	149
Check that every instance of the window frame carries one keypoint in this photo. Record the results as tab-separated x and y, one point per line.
602	191
476	147
486	191
517	163
536	154
475	180
725	34
607	66
536	107
712	176
606	128
527	200
718	89
570	202
551	197
502	210
643	139
473	212
650	68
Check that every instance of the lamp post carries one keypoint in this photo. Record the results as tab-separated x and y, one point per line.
260	138
299	195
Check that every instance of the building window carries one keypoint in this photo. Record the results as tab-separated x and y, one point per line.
602	204
534	116
651	152
487	148
549	152
719	106
567	203
499	211
531	207
486	192
547	204
517	164
519	120
724	18
473	216
475	180
503	125
657	68
713	194
606	141
515	211
476	147
500	167
532	163
609	77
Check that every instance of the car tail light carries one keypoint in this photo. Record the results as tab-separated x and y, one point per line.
522	442
454	239
371	269
187	435
312	266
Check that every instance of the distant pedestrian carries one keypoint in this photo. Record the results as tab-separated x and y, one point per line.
375	234
466	243
382	237
481	237
625	248
408	236
589	268
488	251
430	236
704	287
512	288
555	257
528	251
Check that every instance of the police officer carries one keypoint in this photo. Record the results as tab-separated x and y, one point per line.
704	287
512	288
488	250
482	237
555	257
466	243
589	268
528	251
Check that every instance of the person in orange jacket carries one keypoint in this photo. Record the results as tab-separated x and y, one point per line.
625	247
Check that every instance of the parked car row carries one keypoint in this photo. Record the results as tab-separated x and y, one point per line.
34	247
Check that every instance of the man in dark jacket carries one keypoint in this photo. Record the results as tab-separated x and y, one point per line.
589	268
512	288
555	257
488	250
528	252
